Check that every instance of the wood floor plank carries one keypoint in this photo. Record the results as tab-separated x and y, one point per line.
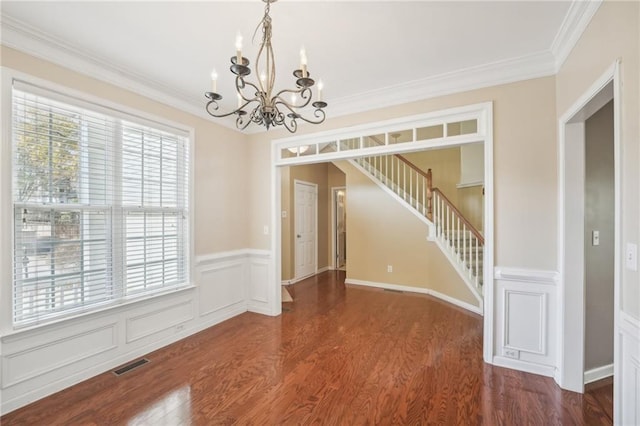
338	355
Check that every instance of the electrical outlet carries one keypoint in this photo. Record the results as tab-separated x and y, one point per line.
511	353
389	268
595	238
265	230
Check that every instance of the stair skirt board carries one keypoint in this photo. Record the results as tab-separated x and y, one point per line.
419	290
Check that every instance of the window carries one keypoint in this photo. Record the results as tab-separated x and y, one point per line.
100	205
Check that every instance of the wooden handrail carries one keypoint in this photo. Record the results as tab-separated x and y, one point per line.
413	166
472	228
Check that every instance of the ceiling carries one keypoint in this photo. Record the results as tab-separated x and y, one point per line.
368	53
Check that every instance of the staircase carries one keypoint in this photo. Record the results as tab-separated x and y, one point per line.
458	239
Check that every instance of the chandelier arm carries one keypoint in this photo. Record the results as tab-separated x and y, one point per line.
216	108
305	94
319	113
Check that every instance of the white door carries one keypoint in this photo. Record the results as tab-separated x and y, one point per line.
306	207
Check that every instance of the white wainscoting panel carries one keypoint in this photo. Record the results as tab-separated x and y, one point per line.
526	319
628	384
222	285
42	360
258	285
159	319
48	356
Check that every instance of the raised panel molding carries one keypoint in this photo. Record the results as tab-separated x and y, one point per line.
526	319
38	360
157	320
222	284
525	305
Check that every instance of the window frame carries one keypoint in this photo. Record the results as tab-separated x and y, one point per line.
91	102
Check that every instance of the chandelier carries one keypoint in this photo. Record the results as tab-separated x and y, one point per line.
263	107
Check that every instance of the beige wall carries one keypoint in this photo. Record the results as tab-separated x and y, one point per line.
445	169
220	177
471	204
599	262
525	166
613	33
383	232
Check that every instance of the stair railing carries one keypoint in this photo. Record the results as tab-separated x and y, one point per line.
458	235
415	187
406	179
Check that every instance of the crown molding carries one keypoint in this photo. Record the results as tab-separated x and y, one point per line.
32	41
575	22
540	64
25	38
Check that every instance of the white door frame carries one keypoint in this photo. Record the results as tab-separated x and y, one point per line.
333	224
297	182
571	291
483	112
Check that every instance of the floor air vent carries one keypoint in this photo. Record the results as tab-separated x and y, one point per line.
132	365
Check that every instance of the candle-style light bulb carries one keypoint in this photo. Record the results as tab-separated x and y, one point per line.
303	62
294	98
239	48
214	81
263	77
320	87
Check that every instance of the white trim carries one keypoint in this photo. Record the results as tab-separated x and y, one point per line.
575	22
469	184
570	336
598	373
528	367
419	290
535	65
483	112
27	39
526	275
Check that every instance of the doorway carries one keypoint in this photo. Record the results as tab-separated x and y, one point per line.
580	240
339	227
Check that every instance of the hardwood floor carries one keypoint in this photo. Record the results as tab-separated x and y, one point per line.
338	355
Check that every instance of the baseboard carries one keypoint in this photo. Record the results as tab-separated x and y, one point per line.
527	367
598	373
428	291
296	280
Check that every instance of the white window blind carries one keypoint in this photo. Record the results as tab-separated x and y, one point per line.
100	205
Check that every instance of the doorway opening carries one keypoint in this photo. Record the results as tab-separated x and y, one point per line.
458	126
590	236
339	228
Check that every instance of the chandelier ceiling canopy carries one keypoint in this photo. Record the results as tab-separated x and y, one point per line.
258	102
